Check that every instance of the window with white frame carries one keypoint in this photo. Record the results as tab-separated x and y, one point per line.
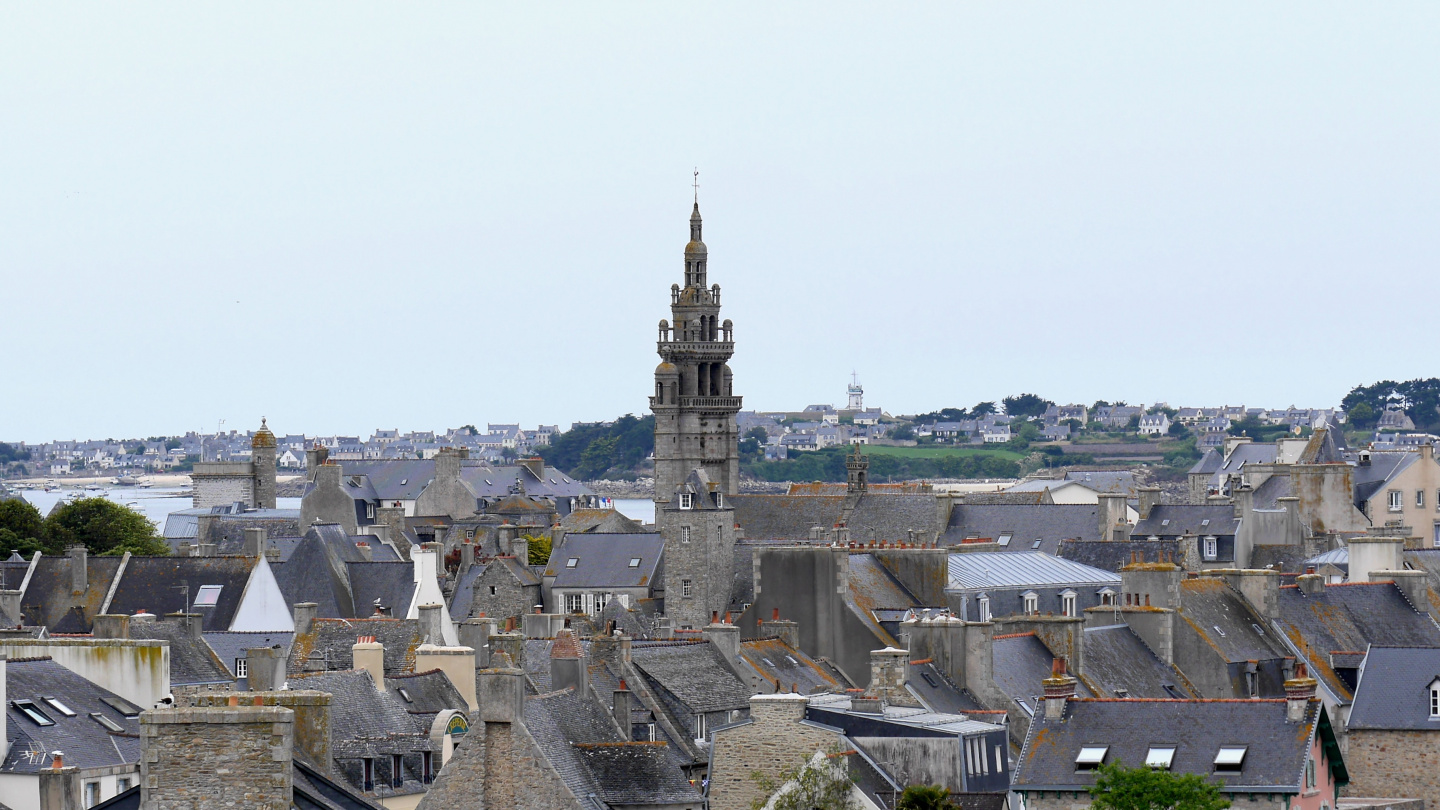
1420	498
574	603
684	534
1212	548
1107	597
1435	699
1309	772
687	588
1397	500
687	501
92	794
1032	602
1067	603
984	604
719	500
700	726
241	668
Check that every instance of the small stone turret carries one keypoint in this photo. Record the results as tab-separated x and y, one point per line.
262	460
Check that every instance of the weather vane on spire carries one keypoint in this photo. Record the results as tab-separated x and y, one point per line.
696	184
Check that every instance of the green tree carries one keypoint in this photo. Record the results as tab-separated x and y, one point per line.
624	445
174	444
539	549
1120	788
22	529
8	453
902	432
137	450
1363	415
982	408
924	797
103	527
1026	405
1177	430
819	784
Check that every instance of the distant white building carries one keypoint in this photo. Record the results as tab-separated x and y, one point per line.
1154	424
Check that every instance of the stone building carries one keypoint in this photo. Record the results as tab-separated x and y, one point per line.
250	482
1393	746
697	456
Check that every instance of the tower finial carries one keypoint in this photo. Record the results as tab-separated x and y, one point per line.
696	185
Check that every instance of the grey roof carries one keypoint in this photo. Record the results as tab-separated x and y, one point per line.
391	480
1000	569
693	672
334	639
191	659
1021	662
86	743
1369	479
1112	555
230	645
1175	519
603	561
638	773
785	517
393	583
426	693
892	517
1116	659
1274	760
939	693
1394	690
778	662
48	599
1335	556
1280	558
1113	481
1226	621
1049	523
1348	618
836	710
154	584
358	709
495	481
556	722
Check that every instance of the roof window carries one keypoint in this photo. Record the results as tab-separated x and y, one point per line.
1230	757
110	725
404	481
572	562
1004	540
1037	543
634	562
207	596
60	707
1160	757
1165	522
32	712
1090	757
404	695
1205	522
121	705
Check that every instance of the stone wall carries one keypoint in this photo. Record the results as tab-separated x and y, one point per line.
498	765
771	742
1394	763
510	598
221	483
213	758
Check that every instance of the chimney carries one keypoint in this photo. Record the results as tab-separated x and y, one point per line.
59	785
888	676
1149	499
10	611
111	625
206	550
1059	688
79	578
458	664
1244	497
1113	523
726	638
1411	583
1260	587
369	655
255	541
195	756
432	624
439	539
265	669
475	634
1375	553
783	629
620	708
467	555
502	692
305	613
1310	584
314	457
567	663
447	467
512	644
1299	691
194	623
366	553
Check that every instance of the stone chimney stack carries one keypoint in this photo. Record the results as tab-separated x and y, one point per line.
458	664
567	663
467	556
111	625
265	669
1299	691
369	655
255	541
1374	553
11	613
1261	587
1310	584
432	624
1113	514
314	457
79	577
1059	688
60	786
502	692
305	613
366	552
620	707
888	676
1414	584
725	636
1149	499
475	634
783	629
217	756
1244	497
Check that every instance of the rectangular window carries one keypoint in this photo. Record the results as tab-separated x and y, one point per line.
397	771
574	603
1397	500
122	784
687	501
32	712
92	794
572	562
241	668
1309	772
684	534
121	705
1435	701
1032	603
720	500
984	603
110	725
427	767
1090	757
368	771
1212	548
1004	540
634	562
60	707
1067	604
687	588
1160	757
650	732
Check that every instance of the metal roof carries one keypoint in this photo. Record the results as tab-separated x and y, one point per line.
1010	569
913	717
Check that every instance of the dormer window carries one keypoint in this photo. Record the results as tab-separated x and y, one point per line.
1107	596
1160	757
984	606
1032	602
719	500
1212	548
687	500
1230	757
1090	757
1067	603
1435	699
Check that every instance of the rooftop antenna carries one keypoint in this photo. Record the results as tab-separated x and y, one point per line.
696	185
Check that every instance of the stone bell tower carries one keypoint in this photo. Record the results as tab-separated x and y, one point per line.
697	454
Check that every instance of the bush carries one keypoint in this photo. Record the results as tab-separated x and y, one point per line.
103	527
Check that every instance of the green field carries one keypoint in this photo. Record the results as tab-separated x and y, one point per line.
941	451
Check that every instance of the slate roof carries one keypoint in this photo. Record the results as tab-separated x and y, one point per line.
1224	619
492	482
892	517
1109	481
191	659
334	638
1289	559
391	480
693	672
556	721
1349	618
153	584
636	773
429	692
393	583
86	743
358	710
1175	519
1001	569
1116	659
603	561
784	517
778	662
1369	479
1112	555
1274	760
231	644
48	599
1021	662
1394	690
598	520
939	693
1049	523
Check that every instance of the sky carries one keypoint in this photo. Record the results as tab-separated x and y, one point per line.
359	215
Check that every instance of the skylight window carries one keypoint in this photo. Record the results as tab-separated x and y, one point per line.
404	695
59	707
121	705
1090	757
634	562
32	712
1205	522
572	562
1160	757
404	481
1004	540
1037	543
109	724
1230	757
1165	522
207	596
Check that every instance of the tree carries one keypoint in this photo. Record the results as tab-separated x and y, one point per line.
622	446
539	549
1120	788
1177	430
471	428
924	797
982	408
1363	416
1419	398
820	784
103	527
8	453
1026	405
137	450
902	432
22	529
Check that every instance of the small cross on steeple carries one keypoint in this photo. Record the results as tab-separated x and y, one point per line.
696	185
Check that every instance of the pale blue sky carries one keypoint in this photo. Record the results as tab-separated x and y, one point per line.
357	215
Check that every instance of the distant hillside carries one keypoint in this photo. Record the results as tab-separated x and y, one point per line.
618	450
